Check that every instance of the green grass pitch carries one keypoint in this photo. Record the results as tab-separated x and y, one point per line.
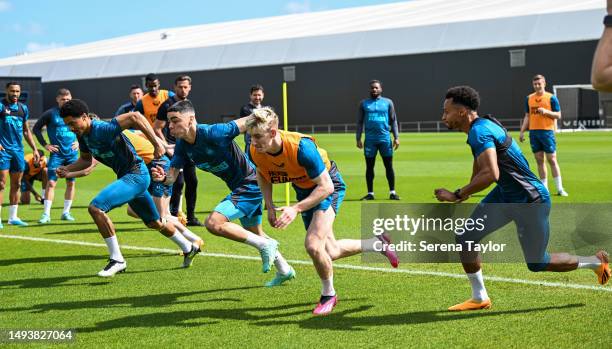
221	301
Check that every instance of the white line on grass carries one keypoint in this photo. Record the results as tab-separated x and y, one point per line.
343	266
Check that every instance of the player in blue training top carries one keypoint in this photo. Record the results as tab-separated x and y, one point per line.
63	148
212	149
105	142
13	127
377	116
135	95
497	158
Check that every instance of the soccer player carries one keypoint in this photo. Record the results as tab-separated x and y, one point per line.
497	158
135	95
377	116
541	111
160	192
212	149
255	102
33	172
150	102
105	142
282	157
187	177
63	150
601	73
13	127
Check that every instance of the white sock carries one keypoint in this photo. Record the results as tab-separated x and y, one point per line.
479	293
13	212
368	245
67	205
392	192
328	287
47	209
590	262
544	182
189	235
281	264
113	248
371	193
256	241
558	183
43	193
181	242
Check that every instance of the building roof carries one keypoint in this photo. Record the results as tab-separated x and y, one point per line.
413	27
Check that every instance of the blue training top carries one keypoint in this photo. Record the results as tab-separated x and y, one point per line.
59	134
215	151
12	118
516	181
378	115
107	144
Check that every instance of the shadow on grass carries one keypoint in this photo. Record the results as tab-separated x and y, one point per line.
152	300
60	281
47	259
341	320
94	229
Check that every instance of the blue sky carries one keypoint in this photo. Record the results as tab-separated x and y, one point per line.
35	25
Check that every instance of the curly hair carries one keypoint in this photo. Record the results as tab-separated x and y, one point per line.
264	118
465	96
74	108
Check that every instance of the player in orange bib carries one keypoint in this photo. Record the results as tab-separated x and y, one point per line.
33	172
542	110
282	157
152	100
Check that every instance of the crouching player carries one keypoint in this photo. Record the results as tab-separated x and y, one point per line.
105	142
33	172
293	157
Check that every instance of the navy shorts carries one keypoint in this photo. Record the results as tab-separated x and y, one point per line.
159	189
384	147
531	221
543	140
56	160
334	200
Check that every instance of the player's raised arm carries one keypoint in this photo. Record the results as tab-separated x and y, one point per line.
242	122
137	121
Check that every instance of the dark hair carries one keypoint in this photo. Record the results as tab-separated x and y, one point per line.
182	77
11	83
372	82
538	77
133	87
182	107
465	96
62	92
74	108
151	77
257	87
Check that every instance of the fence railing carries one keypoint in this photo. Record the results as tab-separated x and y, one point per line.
404	126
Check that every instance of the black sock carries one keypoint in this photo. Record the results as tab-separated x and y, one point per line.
370	162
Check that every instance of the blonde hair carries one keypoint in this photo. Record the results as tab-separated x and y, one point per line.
263	118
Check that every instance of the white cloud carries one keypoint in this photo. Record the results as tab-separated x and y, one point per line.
36	47
4	5
298	7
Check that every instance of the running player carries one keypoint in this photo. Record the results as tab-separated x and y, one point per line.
293	157
33	172
212	149
542	110
63	150
13	127
377	116
497	158
105	141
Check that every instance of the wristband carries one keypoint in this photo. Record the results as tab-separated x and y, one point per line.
608	21
456	192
